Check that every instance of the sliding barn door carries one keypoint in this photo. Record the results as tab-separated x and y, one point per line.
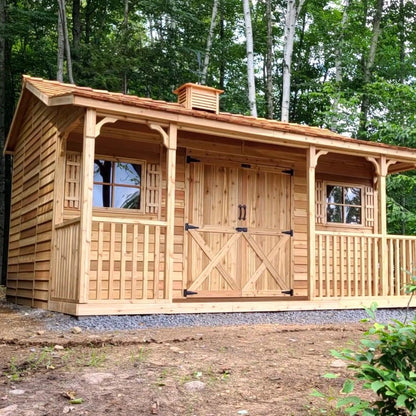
239	238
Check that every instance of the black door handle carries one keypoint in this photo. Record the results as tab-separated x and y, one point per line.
245	212
239	212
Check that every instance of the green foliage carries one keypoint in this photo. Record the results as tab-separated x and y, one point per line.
401	204
158	45
385	364
40	360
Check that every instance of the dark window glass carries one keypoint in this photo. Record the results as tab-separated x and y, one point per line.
117	184
334	194
334	213
343	204
353	215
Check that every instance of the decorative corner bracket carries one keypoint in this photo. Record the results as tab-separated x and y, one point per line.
316	155
105	120
169	139
381	166
159	129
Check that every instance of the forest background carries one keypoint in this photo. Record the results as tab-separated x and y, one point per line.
346	65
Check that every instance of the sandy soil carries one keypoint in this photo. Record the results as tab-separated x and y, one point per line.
245	370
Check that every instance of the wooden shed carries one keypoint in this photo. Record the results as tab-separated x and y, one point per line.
127	205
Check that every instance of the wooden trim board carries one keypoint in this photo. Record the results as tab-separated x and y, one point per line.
186	307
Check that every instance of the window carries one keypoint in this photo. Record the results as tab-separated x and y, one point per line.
118	184
343	204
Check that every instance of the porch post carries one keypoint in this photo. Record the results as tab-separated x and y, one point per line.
170	144
311	164
381	182
87	175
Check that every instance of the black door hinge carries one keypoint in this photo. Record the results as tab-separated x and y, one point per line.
246	165
289	232
241	229
190	159
289	171
288	292
190	227
187	292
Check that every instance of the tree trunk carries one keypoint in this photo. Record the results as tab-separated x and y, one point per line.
250	59
367	70
269	60
338	64
292	13
222	62
62	14
402	40
3	207
341	42
89	11
76	28
209	42
61	49
124	82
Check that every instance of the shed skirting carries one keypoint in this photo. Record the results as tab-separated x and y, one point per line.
164	307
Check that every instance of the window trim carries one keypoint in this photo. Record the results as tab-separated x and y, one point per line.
142	186
325	204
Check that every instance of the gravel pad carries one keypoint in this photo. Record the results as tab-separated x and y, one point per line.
58	321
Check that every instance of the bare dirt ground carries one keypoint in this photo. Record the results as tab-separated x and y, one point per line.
243	370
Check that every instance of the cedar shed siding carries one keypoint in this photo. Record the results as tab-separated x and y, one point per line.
32	206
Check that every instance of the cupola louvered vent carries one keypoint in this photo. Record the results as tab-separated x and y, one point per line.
199	97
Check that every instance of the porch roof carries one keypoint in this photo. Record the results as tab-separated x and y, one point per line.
54	93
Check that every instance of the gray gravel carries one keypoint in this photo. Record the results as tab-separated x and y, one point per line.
61	322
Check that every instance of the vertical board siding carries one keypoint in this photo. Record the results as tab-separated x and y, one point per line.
350	264
127	260
32	208
65	270
299	225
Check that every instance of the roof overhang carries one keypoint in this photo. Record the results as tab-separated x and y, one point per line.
246	128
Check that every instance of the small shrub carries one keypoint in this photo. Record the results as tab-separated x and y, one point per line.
385	362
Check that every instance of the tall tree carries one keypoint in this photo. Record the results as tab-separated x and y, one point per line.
2	128
61	47
76	32
250	59
63	32
124	88
209	42
339	51
368	63
269	61
292	13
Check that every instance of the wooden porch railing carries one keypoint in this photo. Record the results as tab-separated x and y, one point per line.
349	264
127	259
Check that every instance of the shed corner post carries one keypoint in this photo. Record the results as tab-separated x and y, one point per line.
87	183
311	165
381	181
381	166
171	145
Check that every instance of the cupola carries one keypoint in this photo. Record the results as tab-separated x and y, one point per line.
199	97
